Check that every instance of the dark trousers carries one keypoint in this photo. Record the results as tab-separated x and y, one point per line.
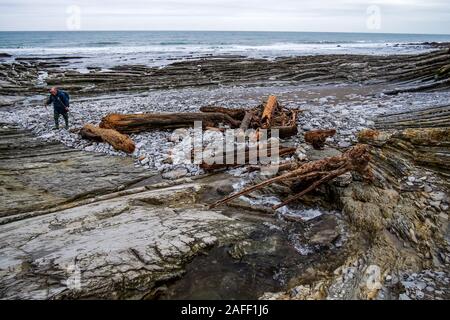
65	116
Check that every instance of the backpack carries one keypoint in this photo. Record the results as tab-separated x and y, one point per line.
66	95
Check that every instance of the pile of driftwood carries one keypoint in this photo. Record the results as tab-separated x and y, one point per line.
271	115
114	128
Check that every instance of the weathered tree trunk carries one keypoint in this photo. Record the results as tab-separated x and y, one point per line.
318	137
286	131
247	119
118	140
269	111
282	151
133	123
237	114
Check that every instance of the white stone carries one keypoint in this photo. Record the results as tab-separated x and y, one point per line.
301	156
344	144
47	135
175	174
403	296
437	195
373	277
435	204
145	161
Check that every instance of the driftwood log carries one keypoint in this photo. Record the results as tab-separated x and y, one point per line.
237	114
134	123
286	131
268	112
247	119
290	165
282	151
318	137
316	172
118	140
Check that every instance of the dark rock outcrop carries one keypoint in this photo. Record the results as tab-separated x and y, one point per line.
37	175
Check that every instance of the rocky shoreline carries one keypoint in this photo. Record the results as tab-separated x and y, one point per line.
135	226
31	75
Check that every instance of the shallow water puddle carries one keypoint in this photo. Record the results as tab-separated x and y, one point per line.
273	258
286	211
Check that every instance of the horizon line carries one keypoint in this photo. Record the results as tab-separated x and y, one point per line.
265	31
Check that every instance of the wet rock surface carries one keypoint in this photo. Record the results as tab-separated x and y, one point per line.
267	259
138	226
118	248
403	216
36	174
31	72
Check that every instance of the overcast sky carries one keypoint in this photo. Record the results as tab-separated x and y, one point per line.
402	16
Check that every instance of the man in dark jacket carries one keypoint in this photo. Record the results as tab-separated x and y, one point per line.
60	100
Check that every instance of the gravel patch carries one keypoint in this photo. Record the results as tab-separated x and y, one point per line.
348	113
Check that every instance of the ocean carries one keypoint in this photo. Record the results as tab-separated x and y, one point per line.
109	48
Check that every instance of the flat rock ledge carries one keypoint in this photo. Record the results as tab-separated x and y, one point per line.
37	175
74	224
118	248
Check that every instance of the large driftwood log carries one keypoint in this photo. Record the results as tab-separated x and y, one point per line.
282	151
269	111
237	114
318	137
286	131
283	132
133	123
118	140
247	119
319	172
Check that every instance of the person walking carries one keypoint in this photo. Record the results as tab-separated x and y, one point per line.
60	100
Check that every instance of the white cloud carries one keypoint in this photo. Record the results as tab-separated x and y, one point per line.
407	16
